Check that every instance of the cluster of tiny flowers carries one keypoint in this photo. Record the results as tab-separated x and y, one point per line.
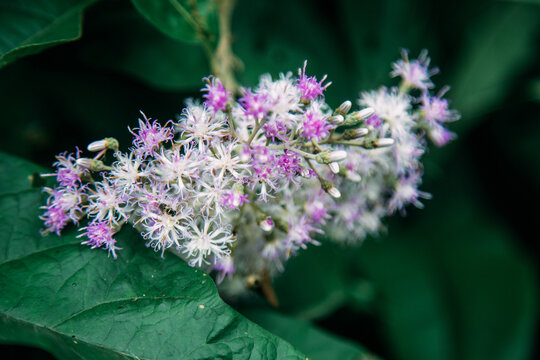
238	186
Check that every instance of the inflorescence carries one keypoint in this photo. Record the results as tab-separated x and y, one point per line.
238	186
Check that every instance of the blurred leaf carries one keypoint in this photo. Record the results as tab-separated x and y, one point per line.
184	20
454	286
494	53
139	50
535	89
28	27
315	283
375	33
79	304
315	343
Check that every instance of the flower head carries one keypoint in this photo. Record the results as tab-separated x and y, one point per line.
149	136
216	95
309	86
415	73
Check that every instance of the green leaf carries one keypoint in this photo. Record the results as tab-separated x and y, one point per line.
316	343
79	304
189	21
140	50
28	27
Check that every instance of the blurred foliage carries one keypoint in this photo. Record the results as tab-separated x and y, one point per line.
458	279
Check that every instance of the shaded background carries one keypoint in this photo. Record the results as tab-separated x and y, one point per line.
456	280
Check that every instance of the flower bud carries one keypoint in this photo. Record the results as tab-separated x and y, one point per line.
329	157
334	167
355	133
358	117
353	176
334	192
344	108
384	142
337	119
366	113
104	144
92	164
330	189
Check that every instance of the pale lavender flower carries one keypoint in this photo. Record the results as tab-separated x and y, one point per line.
301	233
435	109
440	135
225	268
406	192
414	73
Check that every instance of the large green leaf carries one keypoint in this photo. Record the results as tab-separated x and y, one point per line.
79	304
318	344
28	27
190	21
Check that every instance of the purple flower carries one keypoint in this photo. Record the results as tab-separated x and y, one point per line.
317	210
300	233
435	109
216	96
415	73
225	267
100	233
440	135
255	105
374	121
276	129
54	219
315	125
288	164
68	174
149	136
309	86
406	192
234	199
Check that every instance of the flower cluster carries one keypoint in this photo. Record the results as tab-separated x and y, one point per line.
237	186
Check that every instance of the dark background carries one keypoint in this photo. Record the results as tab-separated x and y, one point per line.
456	280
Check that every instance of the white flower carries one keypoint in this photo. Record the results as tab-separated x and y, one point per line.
205	240
391	106
127	172
284	97
210	192
224	161
107	203
164	226
176	166
200	125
